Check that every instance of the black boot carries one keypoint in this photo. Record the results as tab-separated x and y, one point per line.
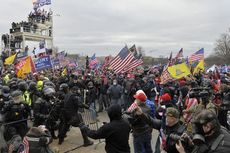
86	140
60	141
53	134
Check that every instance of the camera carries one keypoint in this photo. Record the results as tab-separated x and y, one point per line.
176	137
199	92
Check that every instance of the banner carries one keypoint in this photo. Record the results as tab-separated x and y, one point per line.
43	63
55	61
24	67
178	71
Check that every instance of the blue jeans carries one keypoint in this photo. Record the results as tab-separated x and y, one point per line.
142	143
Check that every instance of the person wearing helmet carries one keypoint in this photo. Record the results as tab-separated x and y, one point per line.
16	110
23	86
40	85
34	93
42	109
209	136
71	115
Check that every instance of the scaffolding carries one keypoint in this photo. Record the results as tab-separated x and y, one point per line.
39	27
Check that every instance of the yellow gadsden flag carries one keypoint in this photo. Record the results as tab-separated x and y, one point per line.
23	67
199	67
178	71
10	60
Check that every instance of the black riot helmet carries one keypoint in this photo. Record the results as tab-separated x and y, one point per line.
32	86
49	83
90	85
5	91
48	91
23	86
64	87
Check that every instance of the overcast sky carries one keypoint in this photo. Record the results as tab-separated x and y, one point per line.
105	26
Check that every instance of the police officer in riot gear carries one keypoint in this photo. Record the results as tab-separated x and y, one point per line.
43	110
34	93
23	86
71	115
16	113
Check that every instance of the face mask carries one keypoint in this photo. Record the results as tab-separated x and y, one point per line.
114	83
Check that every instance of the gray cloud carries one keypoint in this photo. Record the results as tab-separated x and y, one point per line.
105	26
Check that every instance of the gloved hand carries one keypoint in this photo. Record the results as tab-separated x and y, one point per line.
83	127
85	106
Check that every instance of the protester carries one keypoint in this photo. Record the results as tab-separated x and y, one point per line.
141	130
115	91
115	133
173	127
150	100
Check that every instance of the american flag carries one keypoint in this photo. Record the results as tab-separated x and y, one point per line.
106	61
197	56
179	54
25	147
93	61
132	107
165	77
170	60
124	58
178	58
135	62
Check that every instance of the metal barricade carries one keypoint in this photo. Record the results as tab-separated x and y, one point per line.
90	119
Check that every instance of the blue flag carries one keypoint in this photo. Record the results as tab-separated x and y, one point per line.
42	63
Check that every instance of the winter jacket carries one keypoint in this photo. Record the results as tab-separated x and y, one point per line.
115	133
219	142
115	91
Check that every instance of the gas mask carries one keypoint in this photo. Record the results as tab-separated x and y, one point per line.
198	137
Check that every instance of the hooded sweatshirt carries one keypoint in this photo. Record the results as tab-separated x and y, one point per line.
115	133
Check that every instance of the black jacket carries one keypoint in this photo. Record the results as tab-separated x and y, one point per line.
41	111
115	133
224	143
139	126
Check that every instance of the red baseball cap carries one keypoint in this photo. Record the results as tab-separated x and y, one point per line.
166	97
140	94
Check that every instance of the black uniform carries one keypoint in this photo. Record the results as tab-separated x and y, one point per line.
71	117
41	111
18	113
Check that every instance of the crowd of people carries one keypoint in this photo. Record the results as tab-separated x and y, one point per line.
191	114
